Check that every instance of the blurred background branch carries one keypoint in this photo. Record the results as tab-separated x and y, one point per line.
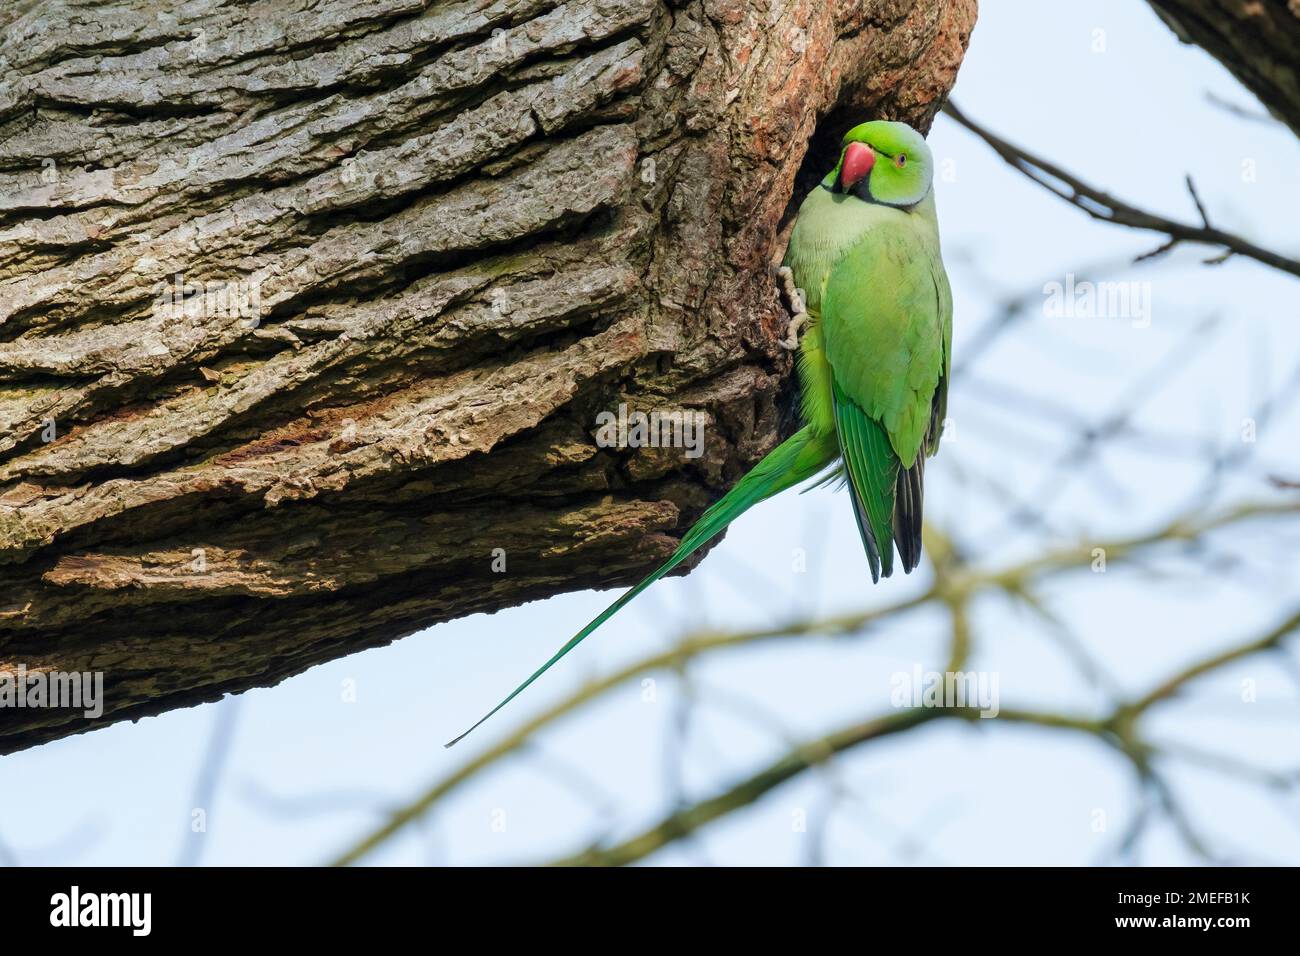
956	585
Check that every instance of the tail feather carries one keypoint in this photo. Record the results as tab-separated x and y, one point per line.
799	457
909	494
909	491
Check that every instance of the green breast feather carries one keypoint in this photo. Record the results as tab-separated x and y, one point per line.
884	331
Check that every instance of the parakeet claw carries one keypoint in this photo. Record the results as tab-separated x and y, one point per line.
797	305
791	340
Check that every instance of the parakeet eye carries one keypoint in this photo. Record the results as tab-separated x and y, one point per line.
901	160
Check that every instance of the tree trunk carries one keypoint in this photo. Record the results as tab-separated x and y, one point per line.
306	319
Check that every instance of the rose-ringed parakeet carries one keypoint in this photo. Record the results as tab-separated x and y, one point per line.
874	360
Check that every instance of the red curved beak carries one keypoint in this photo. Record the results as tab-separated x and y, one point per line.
858	160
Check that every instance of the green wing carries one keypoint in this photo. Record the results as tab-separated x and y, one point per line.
886	326
872	469
945	316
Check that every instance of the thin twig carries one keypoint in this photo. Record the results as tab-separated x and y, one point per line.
1102	206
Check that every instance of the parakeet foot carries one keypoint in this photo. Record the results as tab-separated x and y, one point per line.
796	303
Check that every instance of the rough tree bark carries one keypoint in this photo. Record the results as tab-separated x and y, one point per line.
424	245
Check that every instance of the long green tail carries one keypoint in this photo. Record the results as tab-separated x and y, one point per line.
800	456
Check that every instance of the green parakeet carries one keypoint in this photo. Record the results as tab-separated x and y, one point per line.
874	360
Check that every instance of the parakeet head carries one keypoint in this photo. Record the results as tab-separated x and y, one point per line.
883	162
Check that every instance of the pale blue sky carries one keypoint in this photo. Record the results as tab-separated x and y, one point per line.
308	772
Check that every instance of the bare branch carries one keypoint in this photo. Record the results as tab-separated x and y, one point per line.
1100	205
